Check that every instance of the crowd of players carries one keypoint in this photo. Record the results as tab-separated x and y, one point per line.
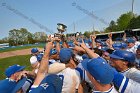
84	66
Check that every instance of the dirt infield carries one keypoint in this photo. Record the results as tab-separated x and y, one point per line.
16	53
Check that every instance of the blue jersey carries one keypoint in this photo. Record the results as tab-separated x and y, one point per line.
7	85
83	73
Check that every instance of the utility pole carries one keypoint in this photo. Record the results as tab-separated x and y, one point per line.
132	8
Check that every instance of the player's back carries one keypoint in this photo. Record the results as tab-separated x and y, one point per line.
71	80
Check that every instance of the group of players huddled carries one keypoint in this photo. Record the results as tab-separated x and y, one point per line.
83	66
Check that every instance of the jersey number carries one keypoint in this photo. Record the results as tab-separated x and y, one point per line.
62	77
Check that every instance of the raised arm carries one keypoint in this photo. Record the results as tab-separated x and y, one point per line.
43	65
90	53
57	40
93	37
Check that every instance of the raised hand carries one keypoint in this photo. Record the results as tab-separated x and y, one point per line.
107	42
75	41
83	45
93	37
57	39
22	74
110	35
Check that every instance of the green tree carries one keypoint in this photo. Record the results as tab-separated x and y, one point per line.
39	36
112	27
30	39
19	37
24	36
87	33
134	23
4	40
14	37
122	23
124	20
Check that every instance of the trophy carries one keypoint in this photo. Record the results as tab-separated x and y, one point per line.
61	28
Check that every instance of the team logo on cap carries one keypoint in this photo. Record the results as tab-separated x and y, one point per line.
45	85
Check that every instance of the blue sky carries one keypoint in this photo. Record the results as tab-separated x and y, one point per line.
47	13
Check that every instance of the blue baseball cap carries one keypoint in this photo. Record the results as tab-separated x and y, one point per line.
65	55
53	51
104	44
124	45
98	41
50	84
99	69
34	50
39	57
138	47
85	56
104	48
117	46
89	41
123	55
71	45
13	69
130	40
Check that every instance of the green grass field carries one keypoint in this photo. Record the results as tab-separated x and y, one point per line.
6	62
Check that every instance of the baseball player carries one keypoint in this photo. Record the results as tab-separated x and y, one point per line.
94	77
42	82
100	74
124	84
70	77
104	74
132	45
33	60
124	62
54	66
54	56
12	84
96	43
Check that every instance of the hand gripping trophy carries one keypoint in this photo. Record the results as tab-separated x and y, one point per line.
61	28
